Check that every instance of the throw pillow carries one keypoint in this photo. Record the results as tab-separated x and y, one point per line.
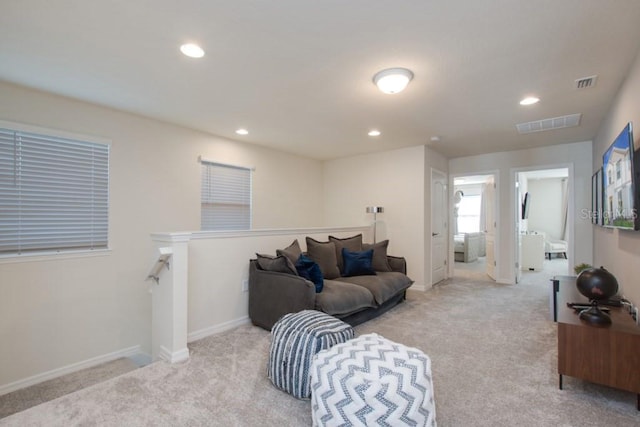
353	244
280	264
292	251
380	262
358	263
308	269
324	254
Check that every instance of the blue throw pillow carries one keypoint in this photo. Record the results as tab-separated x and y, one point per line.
358	263
308	269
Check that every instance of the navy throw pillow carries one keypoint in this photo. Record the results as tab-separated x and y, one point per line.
308	269
358	263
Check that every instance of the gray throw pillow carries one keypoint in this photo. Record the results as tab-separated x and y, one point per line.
292	252
352	244
280	264
380	262
324	254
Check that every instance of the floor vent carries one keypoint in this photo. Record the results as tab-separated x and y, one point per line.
586	82
549	124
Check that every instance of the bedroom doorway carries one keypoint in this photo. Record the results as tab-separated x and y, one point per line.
474	226
543	224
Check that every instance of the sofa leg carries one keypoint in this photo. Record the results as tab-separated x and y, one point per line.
565	255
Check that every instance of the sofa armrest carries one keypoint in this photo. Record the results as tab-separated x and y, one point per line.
397	263
273	294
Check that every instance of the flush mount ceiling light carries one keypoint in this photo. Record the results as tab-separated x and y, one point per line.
393	80
374	132
242	132
530	100
192	50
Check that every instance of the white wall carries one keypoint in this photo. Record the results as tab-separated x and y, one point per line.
545	210
393	180
56	312
576	156
619	251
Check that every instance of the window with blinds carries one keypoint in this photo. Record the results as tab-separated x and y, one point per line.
54	194
225	197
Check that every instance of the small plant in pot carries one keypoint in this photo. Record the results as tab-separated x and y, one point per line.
583	266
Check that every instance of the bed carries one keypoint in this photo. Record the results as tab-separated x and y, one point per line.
468	246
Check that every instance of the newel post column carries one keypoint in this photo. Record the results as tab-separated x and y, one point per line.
169	299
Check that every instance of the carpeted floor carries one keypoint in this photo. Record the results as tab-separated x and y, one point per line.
493	352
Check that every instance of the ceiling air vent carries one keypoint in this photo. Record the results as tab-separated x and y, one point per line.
586	82
549	124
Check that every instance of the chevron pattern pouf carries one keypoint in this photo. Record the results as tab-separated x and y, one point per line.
371	381
295	339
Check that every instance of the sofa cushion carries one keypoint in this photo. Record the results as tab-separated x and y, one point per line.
324	254
357	263
380	261
292	251
383	285
308	269
341	299
353	244
280	263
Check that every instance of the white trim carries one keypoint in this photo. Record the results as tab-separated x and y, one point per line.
74	367
173	357
186	236
217	329
229	165
420	288
52	256
24	127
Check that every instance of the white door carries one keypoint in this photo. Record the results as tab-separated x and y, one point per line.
438	226
490	218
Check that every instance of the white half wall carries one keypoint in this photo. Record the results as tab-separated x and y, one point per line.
59	311
219	263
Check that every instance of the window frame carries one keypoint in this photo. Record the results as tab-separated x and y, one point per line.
213	163
62	253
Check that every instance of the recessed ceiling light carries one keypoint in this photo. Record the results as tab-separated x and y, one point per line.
393	80
374	132
192	50
530	100
242	132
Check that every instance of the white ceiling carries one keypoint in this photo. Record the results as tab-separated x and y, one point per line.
297	73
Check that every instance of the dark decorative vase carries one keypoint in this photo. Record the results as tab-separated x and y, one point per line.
597	284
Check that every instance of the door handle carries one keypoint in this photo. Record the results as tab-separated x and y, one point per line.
434	234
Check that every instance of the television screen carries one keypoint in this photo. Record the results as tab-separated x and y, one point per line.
525	206
618	208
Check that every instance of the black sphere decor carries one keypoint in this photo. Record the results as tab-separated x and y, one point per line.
596	284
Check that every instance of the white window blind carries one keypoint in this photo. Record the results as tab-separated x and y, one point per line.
225	197
54	193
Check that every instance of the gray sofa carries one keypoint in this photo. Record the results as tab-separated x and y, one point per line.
275	290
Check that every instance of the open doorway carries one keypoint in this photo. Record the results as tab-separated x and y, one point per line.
543	223
474	226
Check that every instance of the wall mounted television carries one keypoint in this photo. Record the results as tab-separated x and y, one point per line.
525	205
620	183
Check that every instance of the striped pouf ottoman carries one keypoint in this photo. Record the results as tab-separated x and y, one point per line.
295	339
371	381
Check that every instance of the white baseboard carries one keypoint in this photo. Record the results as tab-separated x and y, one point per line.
216	329
416	287
173	357
74	367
